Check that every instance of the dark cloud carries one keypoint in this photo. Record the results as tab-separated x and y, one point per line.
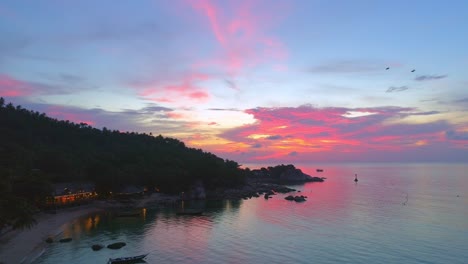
397	89
156	108
429	77
454	135
152	118
274	137
256	145
426	113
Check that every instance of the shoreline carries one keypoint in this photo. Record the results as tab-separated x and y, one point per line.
25	246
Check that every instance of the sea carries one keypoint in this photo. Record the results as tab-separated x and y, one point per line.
395	213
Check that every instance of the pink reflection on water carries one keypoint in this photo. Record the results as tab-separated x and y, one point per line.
189	237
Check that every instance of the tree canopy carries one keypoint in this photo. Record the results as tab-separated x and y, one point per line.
35	148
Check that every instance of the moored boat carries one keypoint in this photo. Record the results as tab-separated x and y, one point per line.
126	259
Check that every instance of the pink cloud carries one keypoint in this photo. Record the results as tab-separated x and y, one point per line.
242	34
185	89
309	132
175	115
64	113
10	87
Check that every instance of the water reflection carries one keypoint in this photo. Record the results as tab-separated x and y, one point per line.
340	222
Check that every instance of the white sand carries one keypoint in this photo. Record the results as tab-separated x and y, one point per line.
23	246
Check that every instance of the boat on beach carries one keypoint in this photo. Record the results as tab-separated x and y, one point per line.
133	259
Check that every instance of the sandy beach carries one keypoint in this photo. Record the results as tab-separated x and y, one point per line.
24	246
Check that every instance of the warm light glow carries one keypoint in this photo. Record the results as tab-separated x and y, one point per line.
353	114
258	136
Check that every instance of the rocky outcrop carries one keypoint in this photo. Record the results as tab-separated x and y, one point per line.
296	198
65	240
296	175
249	191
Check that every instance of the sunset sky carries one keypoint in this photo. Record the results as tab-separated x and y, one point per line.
262	82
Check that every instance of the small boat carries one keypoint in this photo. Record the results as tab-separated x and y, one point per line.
319	170
190	212
127	259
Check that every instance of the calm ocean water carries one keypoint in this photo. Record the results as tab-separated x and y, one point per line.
396	213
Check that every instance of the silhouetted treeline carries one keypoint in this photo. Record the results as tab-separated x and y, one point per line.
36	150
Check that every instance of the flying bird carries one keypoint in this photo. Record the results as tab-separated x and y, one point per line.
387	68
413	70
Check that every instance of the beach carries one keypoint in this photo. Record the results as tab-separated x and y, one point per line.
24	246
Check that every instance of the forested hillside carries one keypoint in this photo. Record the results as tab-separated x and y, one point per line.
36	151
37	148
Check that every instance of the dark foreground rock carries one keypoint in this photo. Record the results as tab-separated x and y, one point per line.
49	240
296	198
117	245
97	247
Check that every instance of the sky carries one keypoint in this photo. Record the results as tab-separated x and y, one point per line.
258	82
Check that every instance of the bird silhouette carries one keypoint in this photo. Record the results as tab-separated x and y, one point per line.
413	70
387	68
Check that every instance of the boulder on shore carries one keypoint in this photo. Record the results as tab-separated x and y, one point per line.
117	245
289	198
49	240
97	247
64	240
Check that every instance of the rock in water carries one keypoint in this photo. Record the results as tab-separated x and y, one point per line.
64	240
97	247
117	245
299	199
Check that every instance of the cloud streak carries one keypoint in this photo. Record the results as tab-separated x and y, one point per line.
392	89
422	78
